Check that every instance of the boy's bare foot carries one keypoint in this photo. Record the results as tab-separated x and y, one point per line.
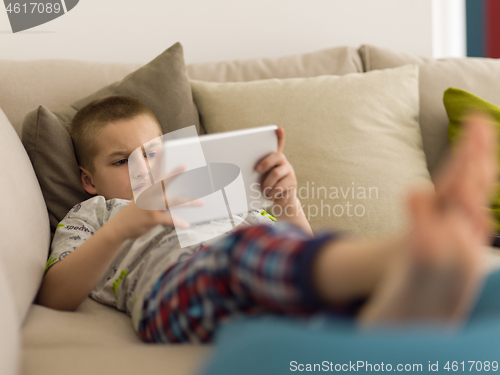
437	275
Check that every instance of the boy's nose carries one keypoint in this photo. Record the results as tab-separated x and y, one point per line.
138	168
140	174
142	171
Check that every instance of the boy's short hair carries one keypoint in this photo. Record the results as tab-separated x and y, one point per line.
92	118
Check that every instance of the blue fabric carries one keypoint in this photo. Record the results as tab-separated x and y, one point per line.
304	264
276	345
488	304
475	25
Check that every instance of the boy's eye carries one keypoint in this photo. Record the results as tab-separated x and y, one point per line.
151	154
120	162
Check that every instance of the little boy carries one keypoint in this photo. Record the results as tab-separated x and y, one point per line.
124	256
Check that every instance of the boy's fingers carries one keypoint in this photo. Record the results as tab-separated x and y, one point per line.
489	139
195	203
179	169
285	187
270	162
456	167
173	173
275	175
166	218
481	172
280	132
472	168
421	211
179	223
470	175
185	202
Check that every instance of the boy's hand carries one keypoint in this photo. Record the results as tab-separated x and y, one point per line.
133	221
279	180
280	184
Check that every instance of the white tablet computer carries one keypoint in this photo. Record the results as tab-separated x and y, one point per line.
217	168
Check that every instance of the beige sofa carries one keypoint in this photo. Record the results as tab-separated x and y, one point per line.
97	339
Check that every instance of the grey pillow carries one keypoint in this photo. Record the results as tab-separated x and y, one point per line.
162	84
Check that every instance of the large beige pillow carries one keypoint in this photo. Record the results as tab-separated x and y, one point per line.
338	60
359	131
477	75
24	242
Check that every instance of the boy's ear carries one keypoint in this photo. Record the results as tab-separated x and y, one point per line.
87	184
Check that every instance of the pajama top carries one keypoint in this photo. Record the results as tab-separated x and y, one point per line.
141	261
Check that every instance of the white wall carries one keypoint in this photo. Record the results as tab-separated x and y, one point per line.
138	30
449	28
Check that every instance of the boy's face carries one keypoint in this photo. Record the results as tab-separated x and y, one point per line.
116	141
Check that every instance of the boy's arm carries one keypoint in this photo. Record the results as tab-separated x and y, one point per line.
292	212
68	282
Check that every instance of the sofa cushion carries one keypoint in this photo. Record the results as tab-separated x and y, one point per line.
472	74
338	60
134	359
10	339
92	324
58	342
24	242
354	140
162	84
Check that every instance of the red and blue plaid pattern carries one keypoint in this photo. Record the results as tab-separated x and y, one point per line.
254	270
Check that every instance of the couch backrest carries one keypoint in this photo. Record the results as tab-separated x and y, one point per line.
336	61
27	84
